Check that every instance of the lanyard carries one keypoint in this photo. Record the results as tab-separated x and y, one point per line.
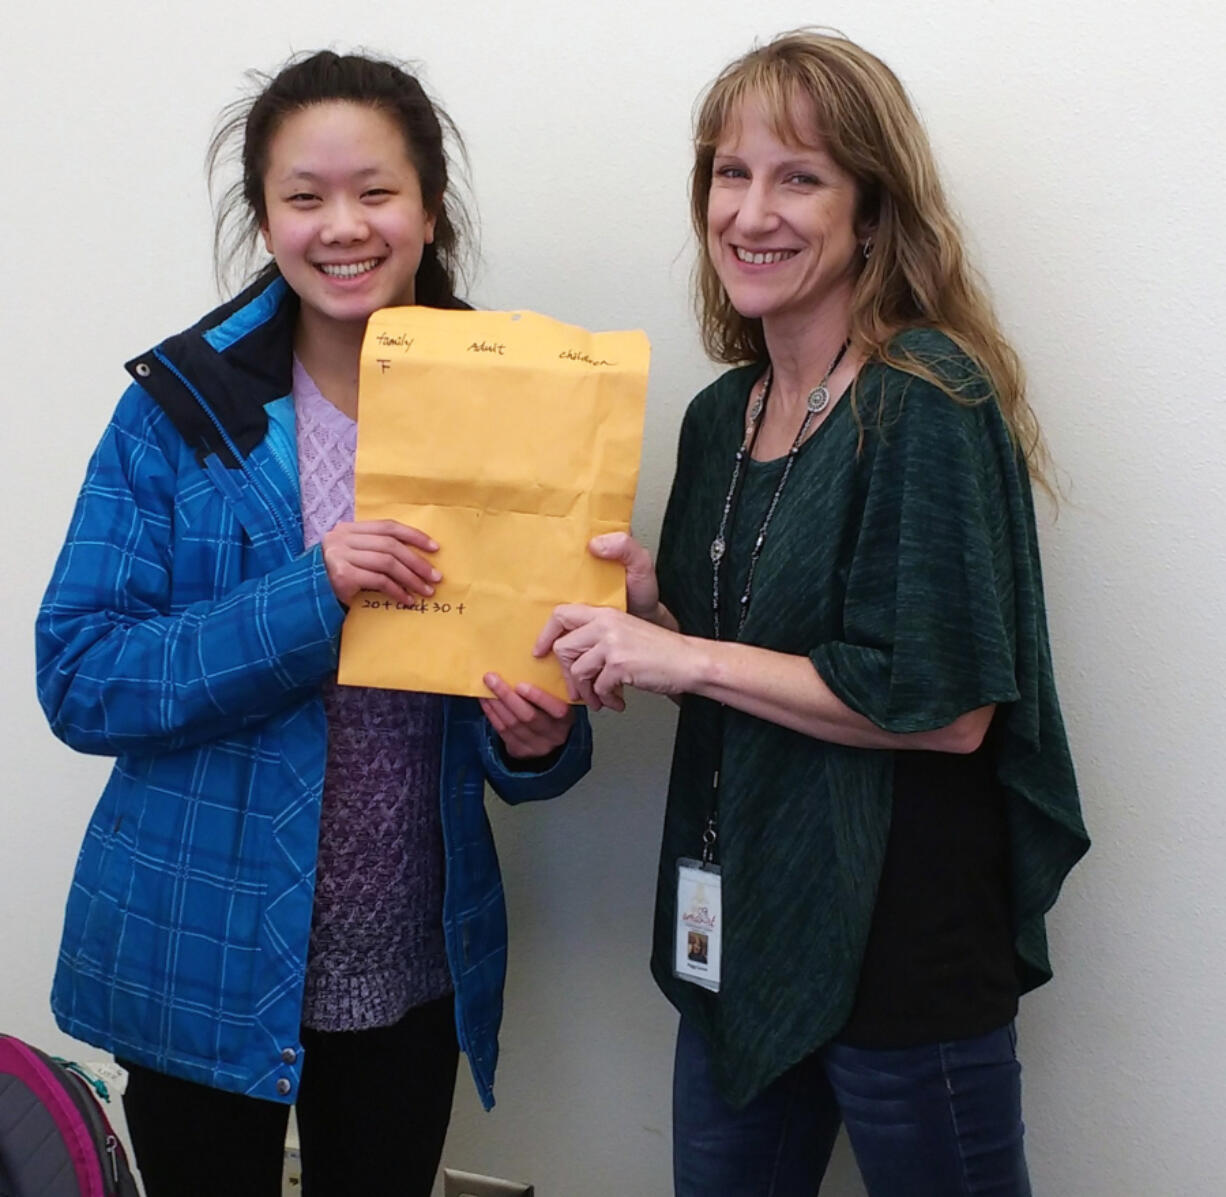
818	401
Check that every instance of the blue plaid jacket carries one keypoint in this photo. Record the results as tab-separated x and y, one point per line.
186	633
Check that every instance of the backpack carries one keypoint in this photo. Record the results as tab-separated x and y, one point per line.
55	1141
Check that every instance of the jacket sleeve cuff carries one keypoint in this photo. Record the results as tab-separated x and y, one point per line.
538	777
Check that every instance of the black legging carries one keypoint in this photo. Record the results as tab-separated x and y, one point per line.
373	1109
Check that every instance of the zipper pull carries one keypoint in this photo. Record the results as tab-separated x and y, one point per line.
88	1075
112	1145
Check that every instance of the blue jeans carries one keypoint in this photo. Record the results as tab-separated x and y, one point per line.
941	1120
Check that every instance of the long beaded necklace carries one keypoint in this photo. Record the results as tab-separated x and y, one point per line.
817	402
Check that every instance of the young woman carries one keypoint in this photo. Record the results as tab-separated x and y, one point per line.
849	606
288	892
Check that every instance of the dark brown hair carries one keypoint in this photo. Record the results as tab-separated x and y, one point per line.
247	127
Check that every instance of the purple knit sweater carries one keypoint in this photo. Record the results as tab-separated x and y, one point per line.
376	945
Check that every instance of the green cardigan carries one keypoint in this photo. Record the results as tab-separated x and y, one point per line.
903	561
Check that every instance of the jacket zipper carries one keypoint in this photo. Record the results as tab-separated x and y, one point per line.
271	441
229	443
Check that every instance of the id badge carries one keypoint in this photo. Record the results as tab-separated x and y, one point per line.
699	924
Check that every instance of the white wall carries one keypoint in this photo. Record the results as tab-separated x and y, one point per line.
1083	144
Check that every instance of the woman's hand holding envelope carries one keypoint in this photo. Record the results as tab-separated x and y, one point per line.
530	722
602	649
379	555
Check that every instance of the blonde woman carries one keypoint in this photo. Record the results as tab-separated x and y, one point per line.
871	793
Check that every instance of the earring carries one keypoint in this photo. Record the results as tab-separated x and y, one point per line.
867	248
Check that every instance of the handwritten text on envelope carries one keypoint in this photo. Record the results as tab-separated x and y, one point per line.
511	439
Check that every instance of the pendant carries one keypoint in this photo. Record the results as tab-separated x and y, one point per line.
717	549
818	398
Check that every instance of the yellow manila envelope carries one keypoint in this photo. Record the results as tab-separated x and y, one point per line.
512	440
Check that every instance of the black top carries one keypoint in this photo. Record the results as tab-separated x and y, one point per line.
939	960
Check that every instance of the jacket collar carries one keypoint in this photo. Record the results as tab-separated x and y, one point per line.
213	379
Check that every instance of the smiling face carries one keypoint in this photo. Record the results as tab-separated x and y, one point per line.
781	224
345	219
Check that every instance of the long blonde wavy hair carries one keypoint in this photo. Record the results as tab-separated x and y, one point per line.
917	274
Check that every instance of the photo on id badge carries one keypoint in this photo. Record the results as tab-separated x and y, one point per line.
697	939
